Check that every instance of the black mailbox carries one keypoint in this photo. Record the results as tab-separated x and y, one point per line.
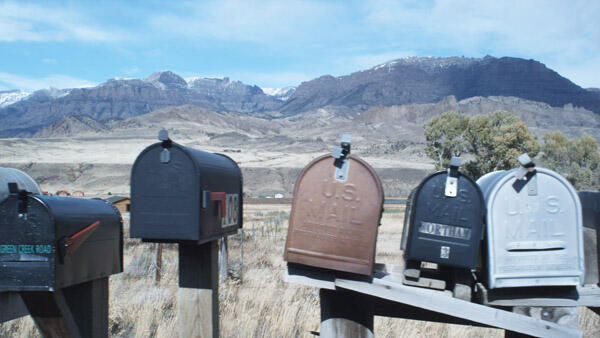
49	243
180	194
445	219
590	208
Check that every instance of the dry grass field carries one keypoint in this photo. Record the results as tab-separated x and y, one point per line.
254	299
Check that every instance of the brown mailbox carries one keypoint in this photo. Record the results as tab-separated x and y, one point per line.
338	201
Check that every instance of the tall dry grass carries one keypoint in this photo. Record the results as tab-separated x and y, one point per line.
254	299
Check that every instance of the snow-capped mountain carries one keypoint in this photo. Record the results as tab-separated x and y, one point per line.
9	97
280	93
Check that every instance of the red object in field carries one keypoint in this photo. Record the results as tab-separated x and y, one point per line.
78	193
62	193
222	199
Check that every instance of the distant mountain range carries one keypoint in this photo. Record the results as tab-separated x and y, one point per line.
430	79
412	80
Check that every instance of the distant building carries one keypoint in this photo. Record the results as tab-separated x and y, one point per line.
78	193
123	203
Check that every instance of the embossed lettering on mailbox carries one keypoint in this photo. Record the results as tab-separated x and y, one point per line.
334	223
533	239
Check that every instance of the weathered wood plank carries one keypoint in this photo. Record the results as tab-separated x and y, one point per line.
303	275
426	299
198	301
223	259
345	314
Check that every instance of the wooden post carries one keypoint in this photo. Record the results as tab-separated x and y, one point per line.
567	316
77	311
11	306
159	250
223	259
198	308
345	314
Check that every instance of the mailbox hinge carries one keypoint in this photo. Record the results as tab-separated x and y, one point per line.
341	155
452	177
165	155
526	175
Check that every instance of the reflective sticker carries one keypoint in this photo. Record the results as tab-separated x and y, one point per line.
445	230
232	210
445	252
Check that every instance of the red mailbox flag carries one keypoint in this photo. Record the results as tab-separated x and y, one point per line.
73	242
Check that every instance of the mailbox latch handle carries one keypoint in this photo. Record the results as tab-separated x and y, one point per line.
341	155
452	177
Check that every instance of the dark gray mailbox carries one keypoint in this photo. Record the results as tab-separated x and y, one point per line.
590	206
444	219
534	230
48	243
183	194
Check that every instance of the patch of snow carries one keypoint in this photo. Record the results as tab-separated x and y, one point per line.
280	93
12	96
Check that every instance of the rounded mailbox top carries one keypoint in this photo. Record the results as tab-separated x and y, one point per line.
24	181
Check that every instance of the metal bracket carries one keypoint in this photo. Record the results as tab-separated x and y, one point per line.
527	171
341	155
165	155
452	177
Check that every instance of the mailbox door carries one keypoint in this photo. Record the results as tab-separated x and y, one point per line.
219	174
446	230
165	197
534	239
333	224
27	247
100	254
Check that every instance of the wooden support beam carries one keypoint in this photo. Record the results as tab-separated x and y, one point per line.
11	306
223	259
432	301
198	305
77	311
345	314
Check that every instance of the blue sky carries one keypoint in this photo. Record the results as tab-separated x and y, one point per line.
281	43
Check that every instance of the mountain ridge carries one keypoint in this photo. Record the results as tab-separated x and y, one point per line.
411	80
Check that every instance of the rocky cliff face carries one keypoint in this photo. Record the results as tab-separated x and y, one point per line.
118	98
413	80
426	80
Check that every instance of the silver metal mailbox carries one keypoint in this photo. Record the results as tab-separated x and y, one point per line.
534	230
23	181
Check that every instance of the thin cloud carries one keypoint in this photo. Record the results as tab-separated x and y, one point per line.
31	22
265	22
554	32
53	80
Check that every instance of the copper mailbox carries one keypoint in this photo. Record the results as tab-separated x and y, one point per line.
333	223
